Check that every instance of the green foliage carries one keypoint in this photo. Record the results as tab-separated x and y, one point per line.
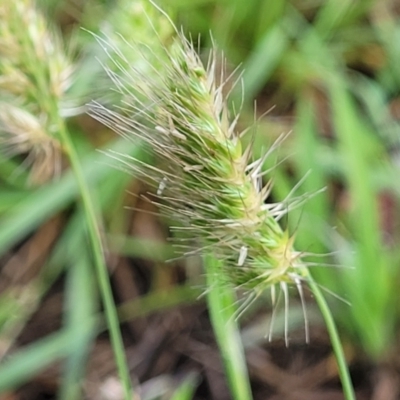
330	69
311	59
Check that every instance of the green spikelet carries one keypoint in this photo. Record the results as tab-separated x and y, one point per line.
204	179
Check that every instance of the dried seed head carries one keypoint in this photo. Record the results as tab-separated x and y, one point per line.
204	179
26	135
35	74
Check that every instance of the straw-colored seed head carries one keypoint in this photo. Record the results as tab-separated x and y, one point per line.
26	135
35	74
205	180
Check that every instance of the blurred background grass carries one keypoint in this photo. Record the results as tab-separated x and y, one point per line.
327	71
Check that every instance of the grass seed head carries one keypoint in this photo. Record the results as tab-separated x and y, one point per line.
204	178
35	74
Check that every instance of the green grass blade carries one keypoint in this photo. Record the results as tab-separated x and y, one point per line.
94	236
261	63
31	360
335	340
158	301
186	390
44	202
222	307
359	149
80	306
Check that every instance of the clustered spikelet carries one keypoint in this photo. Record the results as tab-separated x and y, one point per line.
205	180
35	74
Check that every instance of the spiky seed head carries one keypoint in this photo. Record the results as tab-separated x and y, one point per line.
26	136
35	74
204	178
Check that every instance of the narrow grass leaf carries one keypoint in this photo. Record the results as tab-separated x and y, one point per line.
222	308
32	359
187	388
80	307
44	202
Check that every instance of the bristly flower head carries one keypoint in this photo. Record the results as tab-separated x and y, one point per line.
205	180
35	74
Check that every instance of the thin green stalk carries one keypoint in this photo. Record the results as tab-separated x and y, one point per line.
222	306
335	340
44	69
99	262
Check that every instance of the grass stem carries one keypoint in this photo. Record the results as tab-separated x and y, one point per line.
335	340
222	306
99	262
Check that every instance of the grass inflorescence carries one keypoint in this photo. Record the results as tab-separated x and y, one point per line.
205	179
36	72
